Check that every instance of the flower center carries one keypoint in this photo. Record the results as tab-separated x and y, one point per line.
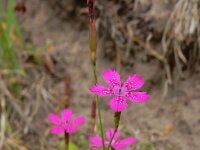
66	123
119	91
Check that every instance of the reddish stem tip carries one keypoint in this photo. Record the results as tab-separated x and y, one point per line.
90	4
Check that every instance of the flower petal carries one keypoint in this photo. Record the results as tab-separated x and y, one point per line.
133	82
101	90
54	119
95	142
57	130
110	133
111	77
118	104
137	97
78	121
124	143
71	129
67	115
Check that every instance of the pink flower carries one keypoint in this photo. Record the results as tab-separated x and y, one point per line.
96	142
120	91
65	123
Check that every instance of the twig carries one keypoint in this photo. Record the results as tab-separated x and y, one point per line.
10	98
3	122
148	49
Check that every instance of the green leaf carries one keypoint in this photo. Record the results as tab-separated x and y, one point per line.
9	36
72	146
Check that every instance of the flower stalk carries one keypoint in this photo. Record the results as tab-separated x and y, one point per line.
93	48
117	116
66	141
93	116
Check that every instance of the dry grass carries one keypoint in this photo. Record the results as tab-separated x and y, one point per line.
181	38
171	36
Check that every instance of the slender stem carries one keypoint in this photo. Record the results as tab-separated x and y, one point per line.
100	121
93	116
117	116
67	140
98	104
109	146
93	48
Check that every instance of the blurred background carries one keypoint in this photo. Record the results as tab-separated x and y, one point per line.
45	63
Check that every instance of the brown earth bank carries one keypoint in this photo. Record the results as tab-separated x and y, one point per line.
167	122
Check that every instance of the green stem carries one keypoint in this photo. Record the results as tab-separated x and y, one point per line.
109	146
116	120
98	104
100	121
93	48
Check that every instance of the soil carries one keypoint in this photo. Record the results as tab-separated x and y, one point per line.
172	122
